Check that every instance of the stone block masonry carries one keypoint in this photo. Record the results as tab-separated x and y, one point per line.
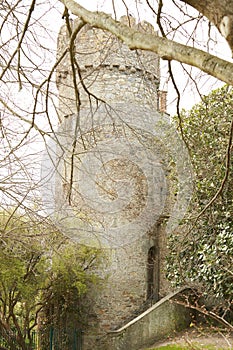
109	70
163	319
112	186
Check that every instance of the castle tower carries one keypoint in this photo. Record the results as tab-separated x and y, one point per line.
113	190
108	69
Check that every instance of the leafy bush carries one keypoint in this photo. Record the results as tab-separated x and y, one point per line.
202	247
43	278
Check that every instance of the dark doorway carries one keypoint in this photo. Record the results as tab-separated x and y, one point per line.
153	274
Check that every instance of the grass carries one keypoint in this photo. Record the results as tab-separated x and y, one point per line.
192	346
198	338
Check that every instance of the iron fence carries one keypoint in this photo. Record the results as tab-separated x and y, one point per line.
52	339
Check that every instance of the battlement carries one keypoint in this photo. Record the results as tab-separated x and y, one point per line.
98	49
107	69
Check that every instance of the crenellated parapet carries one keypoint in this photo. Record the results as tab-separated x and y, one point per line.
97	48
107	67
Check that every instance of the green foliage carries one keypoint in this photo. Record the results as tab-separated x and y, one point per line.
41	273
202	249
70	281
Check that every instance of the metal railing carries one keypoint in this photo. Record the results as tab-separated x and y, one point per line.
52	339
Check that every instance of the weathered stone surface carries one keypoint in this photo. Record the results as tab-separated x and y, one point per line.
111	186
162	319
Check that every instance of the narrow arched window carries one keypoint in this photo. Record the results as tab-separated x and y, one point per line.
152	275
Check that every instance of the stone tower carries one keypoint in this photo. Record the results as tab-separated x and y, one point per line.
112	187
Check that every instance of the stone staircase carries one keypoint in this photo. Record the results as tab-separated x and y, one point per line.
162	319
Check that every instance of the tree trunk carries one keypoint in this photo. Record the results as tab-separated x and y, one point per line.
220	13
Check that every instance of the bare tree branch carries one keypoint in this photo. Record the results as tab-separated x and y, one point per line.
220	13
165	48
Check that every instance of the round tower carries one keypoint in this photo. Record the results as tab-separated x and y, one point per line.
108	69
112	190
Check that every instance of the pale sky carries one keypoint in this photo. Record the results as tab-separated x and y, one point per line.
140	10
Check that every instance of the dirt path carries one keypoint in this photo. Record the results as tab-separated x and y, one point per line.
201	337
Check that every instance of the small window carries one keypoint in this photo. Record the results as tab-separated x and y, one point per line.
152	275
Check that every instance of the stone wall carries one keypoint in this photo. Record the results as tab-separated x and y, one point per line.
130	231
163	319
118	91
107	69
